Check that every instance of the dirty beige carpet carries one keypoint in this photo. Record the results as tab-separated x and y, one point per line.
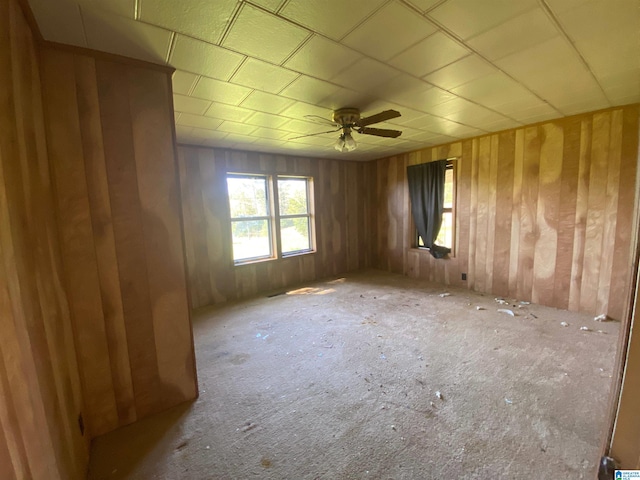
379	376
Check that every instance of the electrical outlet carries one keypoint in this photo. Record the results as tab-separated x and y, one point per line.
464	276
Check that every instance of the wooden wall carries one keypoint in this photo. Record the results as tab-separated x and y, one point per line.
345	225
111	148
40	395
543	212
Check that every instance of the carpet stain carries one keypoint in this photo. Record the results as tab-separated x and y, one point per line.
240	358
266	463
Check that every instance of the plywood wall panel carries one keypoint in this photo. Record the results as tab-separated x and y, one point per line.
483	206
505	150
40	399
610	212
159	199
582	207
76	234
120	158
595	211
516	207
472	149
344	207
543	212
491	212
103	236
548	206
463	182
528	212
117	197
622	249
566	212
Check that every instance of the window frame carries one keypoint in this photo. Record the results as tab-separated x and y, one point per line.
269	209
274	217
309	216
451	165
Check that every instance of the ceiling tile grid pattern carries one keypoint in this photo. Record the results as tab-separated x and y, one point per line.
248	72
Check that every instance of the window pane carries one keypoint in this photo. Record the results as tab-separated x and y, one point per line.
292	195
247	196
294	233
446	231
448	188
251	239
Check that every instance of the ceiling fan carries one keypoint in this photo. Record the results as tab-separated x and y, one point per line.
348	120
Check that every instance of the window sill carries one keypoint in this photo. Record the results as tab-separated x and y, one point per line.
271	259
297	254
252	261
425	250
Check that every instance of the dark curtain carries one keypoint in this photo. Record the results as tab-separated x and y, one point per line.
426	191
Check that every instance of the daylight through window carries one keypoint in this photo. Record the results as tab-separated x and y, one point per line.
447	233
269	219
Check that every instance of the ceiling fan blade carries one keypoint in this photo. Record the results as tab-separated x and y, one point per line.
378	117
313	134
380	132
319	119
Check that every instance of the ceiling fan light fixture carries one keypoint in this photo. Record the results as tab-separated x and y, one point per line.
340	144
349	143
348	120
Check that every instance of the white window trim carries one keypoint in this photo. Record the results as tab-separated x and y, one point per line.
273	218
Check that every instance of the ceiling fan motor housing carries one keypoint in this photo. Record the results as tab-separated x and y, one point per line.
346	116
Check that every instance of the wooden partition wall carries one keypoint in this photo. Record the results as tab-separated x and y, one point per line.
345	225
40	393
543	212
117	197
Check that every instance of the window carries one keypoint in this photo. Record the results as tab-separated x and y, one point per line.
269	219
295	216
447	229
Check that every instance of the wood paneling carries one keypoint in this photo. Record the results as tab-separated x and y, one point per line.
543	212
345	227
622	441
40	391
111	152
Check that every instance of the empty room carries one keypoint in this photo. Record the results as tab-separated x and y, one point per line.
313	239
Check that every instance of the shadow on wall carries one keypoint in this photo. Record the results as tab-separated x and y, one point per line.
145	436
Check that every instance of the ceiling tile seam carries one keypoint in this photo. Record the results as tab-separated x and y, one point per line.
228	49
453	36
84	28
295	50
466	46
406	49
193	87
239	104
234	17
377	98
390	66
172	44
283	4
436	5
420	12
364	19
549	12
230	79
236	70
299	119
438	28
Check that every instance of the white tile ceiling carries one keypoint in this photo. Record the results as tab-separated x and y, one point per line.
248	71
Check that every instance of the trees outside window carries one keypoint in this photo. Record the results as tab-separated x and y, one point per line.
270	217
